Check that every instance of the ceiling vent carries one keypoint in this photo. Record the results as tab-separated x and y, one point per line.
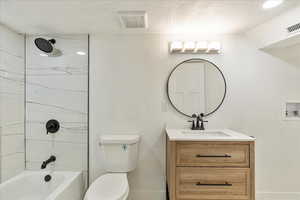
133	19
294	28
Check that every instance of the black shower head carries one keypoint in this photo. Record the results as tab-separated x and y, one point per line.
44	45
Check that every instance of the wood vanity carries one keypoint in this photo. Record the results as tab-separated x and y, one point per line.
210	168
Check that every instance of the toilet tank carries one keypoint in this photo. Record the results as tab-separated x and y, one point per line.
120	152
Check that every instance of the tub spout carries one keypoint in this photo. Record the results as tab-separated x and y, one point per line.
46	162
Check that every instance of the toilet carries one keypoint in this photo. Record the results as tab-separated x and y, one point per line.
120	157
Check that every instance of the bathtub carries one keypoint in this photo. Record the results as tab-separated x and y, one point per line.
30	185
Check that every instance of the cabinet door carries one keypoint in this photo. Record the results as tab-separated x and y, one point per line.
212	154
195	183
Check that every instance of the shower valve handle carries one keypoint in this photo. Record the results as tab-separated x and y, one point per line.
52	126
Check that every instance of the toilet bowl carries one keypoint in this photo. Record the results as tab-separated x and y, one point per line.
120	156
111	186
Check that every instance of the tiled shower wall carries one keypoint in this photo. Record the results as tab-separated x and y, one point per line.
11	103
57	88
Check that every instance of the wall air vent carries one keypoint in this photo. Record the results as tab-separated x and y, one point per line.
133	19
294	28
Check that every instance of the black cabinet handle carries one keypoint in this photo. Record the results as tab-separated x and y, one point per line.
213	156
206	184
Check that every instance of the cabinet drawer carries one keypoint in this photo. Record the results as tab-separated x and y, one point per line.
212	183
206	154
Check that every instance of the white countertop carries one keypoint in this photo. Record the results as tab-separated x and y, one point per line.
207	135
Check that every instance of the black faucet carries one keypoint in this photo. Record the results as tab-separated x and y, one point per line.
197	125
50	160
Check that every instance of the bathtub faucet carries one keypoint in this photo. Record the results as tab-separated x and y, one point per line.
50	160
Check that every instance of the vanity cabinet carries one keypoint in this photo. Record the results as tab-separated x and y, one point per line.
210	170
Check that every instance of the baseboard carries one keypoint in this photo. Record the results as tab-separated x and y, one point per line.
278	196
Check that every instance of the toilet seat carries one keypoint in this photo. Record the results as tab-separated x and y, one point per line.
112	186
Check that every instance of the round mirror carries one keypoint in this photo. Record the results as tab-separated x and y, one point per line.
196	86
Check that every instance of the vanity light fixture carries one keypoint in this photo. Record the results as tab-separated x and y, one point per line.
201	47
176	46
189	46
214	46
271	3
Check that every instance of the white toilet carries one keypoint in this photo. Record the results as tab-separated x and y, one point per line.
121	154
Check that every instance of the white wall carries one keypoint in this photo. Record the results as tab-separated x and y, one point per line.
127	83
11	103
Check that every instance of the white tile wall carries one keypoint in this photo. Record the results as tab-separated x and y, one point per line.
12	144
57	88
12	165
11	103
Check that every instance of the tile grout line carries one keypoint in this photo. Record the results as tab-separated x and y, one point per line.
25	92
88	116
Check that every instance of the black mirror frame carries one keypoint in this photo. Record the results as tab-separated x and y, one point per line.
196	59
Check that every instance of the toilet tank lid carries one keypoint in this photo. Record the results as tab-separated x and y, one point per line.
119	139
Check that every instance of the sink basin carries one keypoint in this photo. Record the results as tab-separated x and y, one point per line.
205	133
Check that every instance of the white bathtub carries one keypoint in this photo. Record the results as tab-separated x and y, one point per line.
30	185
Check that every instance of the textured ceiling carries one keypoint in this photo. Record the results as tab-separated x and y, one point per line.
165	16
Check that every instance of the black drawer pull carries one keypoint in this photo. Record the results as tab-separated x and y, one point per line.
213	156
206	184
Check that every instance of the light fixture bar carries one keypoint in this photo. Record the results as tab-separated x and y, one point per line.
195	47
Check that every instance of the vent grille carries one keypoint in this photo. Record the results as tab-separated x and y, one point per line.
293	28
133	19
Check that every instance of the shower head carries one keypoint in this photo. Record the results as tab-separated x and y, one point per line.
44	45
